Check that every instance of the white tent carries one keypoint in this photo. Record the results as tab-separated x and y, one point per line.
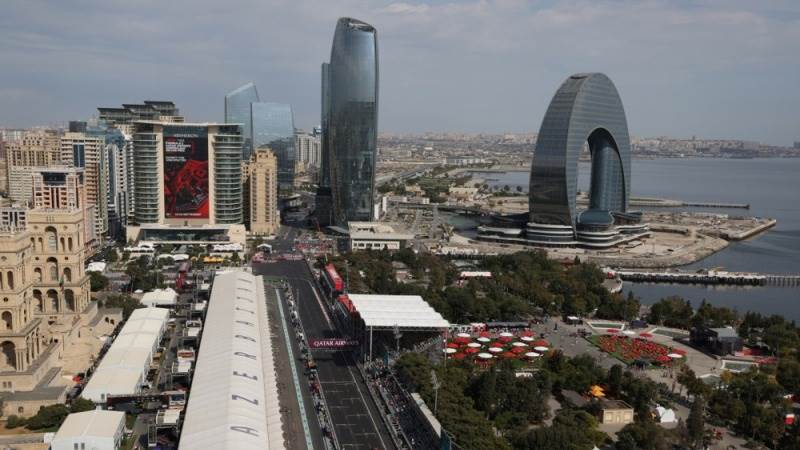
234	398
666	415
125	365
405	311
160	297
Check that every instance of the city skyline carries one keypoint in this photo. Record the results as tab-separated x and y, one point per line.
711	69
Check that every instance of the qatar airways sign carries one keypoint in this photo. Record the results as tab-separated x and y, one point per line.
333	344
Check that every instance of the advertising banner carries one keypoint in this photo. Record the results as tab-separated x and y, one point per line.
332	344
186	192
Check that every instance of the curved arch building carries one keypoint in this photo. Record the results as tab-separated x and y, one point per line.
586	109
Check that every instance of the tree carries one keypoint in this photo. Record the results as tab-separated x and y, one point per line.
643	435
81	404
696	424
615	380
97	281
48	417
126	302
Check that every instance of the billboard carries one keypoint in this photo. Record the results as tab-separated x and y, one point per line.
332	344
186	192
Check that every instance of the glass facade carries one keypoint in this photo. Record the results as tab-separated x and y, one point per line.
352	120
324	179
273	126
237	110
586	107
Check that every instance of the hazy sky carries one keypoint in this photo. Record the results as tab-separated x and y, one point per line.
711	68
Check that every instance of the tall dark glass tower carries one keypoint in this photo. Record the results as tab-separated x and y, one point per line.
324	178
352	128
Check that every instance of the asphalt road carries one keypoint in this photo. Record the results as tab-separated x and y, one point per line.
356	420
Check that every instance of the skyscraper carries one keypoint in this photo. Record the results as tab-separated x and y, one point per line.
237	110
262	192
188	174
272	125
352	120
88	151
324	180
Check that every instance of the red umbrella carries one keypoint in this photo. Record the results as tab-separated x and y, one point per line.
518	350
679	351
452	345
471	350
461	340
458	356
496	344
612	330
508	355
645	335
663	359
527	333
485	334
505	338
540	343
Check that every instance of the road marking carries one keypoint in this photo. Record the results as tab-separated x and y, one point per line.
349	369
306	428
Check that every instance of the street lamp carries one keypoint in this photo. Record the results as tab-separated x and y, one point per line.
436	385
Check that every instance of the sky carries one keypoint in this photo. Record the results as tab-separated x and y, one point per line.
705	68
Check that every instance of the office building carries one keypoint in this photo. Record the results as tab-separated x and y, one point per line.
237	110
88	151
309	149
124	117
352	120
58	188
323	202
3	169
273	126
119	195
13	218
36	148
20	186
262	192
188	181
586	108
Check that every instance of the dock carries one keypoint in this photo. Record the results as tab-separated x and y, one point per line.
710	277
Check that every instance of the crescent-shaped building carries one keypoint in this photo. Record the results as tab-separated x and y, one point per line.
586	109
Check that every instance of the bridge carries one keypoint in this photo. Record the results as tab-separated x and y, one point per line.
710	277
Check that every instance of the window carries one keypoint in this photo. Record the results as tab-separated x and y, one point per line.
52	239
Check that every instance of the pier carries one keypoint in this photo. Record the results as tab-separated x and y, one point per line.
711	277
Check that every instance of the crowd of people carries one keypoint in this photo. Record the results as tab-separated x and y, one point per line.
405	416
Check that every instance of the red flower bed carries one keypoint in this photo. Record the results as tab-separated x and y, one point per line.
631	350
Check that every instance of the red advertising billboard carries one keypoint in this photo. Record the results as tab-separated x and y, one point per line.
186	173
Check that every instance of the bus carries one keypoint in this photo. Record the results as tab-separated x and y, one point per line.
332	284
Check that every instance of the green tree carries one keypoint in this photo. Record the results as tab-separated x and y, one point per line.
125	302
47	417
81	404
696	424
643	435
97	281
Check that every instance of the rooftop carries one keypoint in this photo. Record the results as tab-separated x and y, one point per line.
404	311
95	423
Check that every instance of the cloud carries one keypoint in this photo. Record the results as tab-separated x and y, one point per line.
462	65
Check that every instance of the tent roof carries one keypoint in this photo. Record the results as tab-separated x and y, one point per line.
95	423
405	311
226	410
